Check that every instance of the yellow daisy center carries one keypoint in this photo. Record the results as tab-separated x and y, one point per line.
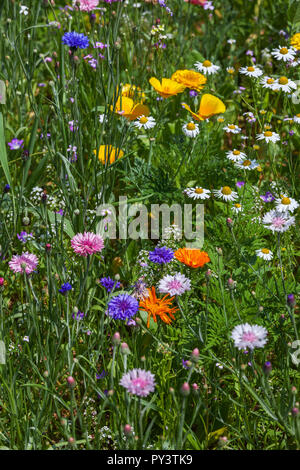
231	126
237	206
298	115
256	147
220	119
143	120
198	190
265	251
230	70
270	81
286	201
283	80
284	50
226	190
268	134
251	69
207	63
191	126
236	152
247	163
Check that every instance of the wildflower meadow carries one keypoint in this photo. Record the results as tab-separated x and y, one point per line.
149	237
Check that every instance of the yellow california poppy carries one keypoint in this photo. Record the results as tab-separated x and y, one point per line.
295	41
128	108
133	92
190	79
108	153
166	87
209	106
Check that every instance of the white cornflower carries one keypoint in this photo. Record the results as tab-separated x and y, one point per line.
284	53
197	193
206	67
297	118
249	336
247	165
174	285
277	221
225	193
251	71
236	155
236	208
268	136
285	203
232	128
285	84
145	122
269	82
24	10
265	254
191	129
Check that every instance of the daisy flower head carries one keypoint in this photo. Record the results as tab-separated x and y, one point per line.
225	193
207	67
247	164
236	208
155	306
191	129
232	128
277	221
197	193
122	307
236	155
296	118
265	254
268	136
26	262
269	82
87	243
144	122
230	70
192	257
174	285
138	382
251	71
284	53
285	84
285	203
247	336
161	255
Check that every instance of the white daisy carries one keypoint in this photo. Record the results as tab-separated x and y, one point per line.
277	221
297	118
225	193
197	193
235	155
236	208
230	70
269	82
247	165
206	67
144	122
249	336
285	203
174	285
268	136
232	128
284	53
24	10
251	71
265	254
191	129
285	84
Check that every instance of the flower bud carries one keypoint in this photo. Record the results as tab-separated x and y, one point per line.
125	349
71	440
127	430
291	300
1	281
230	283
71	381
26	220
185	389
195	355
267	368
295	411
116	338
195	387
229	222
208	274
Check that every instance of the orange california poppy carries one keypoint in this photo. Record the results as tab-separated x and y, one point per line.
133	92
209	106
108	153
166	87
155	306
190	79
192	257
128	108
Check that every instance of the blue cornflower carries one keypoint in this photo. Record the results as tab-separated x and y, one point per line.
65	288
161	255
268	197
122	307
6	188
78	315
75	40
109	283
24	236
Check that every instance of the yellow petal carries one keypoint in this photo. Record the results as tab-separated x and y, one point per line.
155	83
139	110
210	105
195	116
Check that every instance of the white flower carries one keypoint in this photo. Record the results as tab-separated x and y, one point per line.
230	70
285	84
191	129
277	221
102	118
251	71
269	82
225	193
24	10
145	122
247	165
236	208
232	128
285	203
265	254
235	155
206	67
268	136
197	193
249	336
284	53
297	118
174	285
26	338
231	41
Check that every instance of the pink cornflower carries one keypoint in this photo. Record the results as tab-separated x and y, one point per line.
247	336
26	262
277	221
174	285
87	243
138	382
87	5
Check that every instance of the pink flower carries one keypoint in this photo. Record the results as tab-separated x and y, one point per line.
87	243
88	5
138	382
26	262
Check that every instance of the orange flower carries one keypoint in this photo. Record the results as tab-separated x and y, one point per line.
166	87
155	306
192	257
209	106
190	79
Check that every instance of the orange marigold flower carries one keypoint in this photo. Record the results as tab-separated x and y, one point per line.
155	306
192	257
190	79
